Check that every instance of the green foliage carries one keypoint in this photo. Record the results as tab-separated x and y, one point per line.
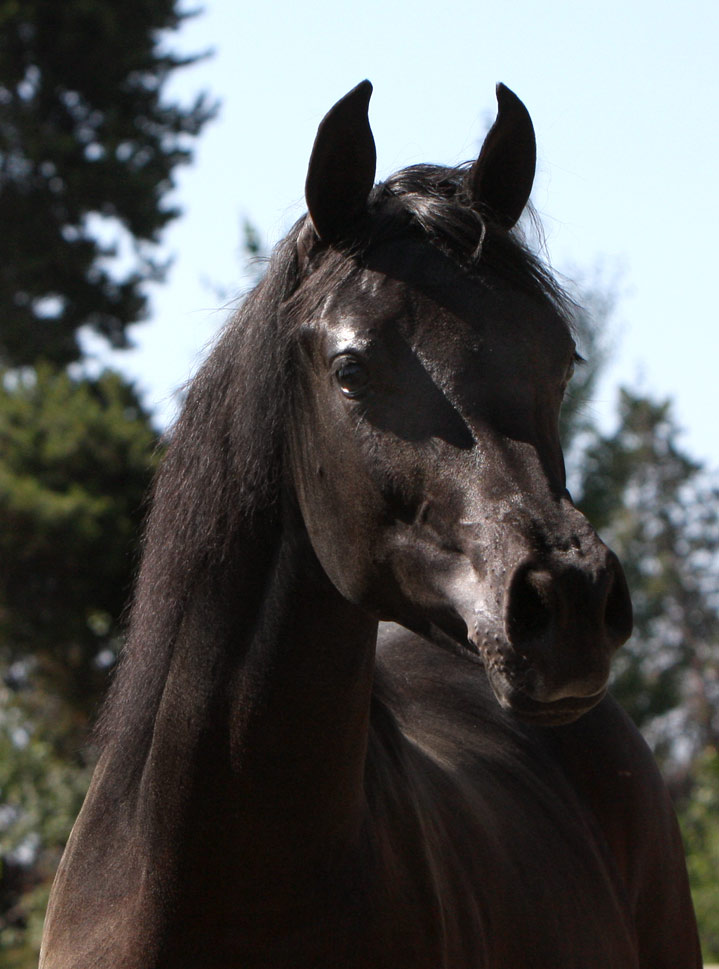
88	147
40	793
700	827
40	796
76	459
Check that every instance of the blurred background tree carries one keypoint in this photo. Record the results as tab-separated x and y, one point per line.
654	504
89	144
76	458
88	147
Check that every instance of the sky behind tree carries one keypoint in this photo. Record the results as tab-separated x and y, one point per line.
624	100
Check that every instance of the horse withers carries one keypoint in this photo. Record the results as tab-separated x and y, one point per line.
373	445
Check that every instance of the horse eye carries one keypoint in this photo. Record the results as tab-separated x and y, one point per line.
352	376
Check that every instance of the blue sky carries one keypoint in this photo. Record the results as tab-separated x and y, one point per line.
625	102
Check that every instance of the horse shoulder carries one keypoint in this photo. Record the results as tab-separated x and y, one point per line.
614	772
496	812
587	798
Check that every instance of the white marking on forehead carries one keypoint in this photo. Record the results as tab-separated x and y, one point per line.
346	335
353	315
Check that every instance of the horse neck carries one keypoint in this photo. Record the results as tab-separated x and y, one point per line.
299	709
261	728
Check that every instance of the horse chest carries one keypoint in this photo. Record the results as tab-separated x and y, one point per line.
484	864
481	861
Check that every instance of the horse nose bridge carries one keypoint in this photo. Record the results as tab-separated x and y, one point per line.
542	528
556	584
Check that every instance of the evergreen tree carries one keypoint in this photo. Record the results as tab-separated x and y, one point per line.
76	458
700	826
660	512
88	148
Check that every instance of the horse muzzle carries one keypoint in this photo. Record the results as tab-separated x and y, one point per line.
564	618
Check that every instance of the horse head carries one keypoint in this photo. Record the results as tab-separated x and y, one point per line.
425	451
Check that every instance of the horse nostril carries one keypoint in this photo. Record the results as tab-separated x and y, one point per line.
538	599
564	621
530	605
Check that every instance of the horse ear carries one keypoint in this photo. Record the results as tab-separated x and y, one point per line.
502	177
342	166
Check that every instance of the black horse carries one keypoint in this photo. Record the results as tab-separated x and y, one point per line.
375	438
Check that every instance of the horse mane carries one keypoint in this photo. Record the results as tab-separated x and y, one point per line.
436	203
216	499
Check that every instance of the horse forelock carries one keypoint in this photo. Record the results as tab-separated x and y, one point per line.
432	204
435	202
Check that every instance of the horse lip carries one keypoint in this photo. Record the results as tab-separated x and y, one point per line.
544	713
512	697
557	712
513	676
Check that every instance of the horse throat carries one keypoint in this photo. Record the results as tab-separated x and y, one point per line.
299	701
278	789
